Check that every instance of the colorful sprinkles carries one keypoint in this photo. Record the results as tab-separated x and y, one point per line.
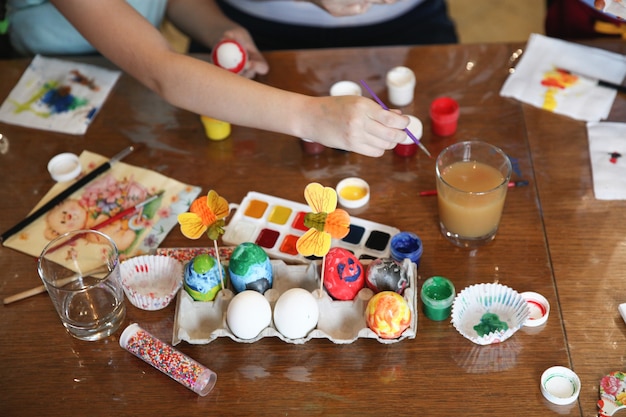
168	360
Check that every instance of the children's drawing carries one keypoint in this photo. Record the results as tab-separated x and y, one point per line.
58	95
573	91
614	157
556	80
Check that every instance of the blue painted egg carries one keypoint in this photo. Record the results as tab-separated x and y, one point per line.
202	278
250	268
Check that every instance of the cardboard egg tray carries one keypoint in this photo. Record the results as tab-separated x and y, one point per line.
342	322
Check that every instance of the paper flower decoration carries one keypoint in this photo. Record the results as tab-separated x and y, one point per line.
326	221
206	214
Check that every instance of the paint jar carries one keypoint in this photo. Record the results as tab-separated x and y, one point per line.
407	147
215	129
345	88
444	115
437	296
353	192
400	86
312	148
168	360
406	245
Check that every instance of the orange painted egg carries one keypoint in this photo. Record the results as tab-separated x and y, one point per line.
388	314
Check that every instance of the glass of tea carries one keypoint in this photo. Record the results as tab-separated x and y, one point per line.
472	181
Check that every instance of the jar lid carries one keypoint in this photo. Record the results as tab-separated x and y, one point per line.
560	385
539	308
64	167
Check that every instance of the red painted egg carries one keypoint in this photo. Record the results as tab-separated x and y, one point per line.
344	276
229	55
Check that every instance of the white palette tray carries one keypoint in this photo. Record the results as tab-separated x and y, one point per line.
342	322
275	224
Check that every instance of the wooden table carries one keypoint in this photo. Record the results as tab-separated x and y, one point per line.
554	239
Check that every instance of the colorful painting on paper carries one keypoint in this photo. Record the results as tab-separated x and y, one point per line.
556	81
58	95
122	187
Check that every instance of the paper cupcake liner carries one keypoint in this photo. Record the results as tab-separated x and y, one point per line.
151	282
488	313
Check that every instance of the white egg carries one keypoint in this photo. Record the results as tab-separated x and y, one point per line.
296	313
248	314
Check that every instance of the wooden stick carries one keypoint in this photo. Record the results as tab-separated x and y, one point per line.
37	290
41	288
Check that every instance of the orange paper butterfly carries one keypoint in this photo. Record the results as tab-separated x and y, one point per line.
326	221
206	214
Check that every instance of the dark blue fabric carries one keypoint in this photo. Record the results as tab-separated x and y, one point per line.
427	23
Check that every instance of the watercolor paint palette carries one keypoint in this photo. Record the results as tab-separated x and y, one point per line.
275	224
342	322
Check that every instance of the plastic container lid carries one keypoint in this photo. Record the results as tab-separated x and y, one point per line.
345	88
64	167
539	309
560	385
353	192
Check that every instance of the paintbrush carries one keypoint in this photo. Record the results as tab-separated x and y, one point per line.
406	130
65	193
601	83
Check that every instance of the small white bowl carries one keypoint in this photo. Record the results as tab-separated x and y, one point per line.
64	167
353	192
560	385
151	282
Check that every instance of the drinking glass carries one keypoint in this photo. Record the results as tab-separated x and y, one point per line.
81	273
472	181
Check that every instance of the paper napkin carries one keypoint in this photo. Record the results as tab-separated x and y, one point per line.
58	95
537	81
118	188
607	152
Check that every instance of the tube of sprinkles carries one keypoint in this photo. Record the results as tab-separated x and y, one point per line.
168	360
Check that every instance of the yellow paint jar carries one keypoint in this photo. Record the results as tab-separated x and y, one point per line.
353	192
215	129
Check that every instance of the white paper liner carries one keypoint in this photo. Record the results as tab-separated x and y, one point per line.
473	302
151	282
342	322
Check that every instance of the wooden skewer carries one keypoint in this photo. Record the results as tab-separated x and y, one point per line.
37	290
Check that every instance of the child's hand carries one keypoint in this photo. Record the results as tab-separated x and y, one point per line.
354	123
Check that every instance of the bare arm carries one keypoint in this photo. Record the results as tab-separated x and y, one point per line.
121	34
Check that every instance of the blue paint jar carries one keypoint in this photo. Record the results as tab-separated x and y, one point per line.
406	245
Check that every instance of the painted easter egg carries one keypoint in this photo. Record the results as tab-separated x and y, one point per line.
202	278
388	314
344	276
250	268
230	55
386	274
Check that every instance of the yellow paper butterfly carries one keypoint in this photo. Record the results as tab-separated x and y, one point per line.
206	214
326	221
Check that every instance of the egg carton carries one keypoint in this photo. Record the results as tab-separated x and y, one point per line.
342	322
